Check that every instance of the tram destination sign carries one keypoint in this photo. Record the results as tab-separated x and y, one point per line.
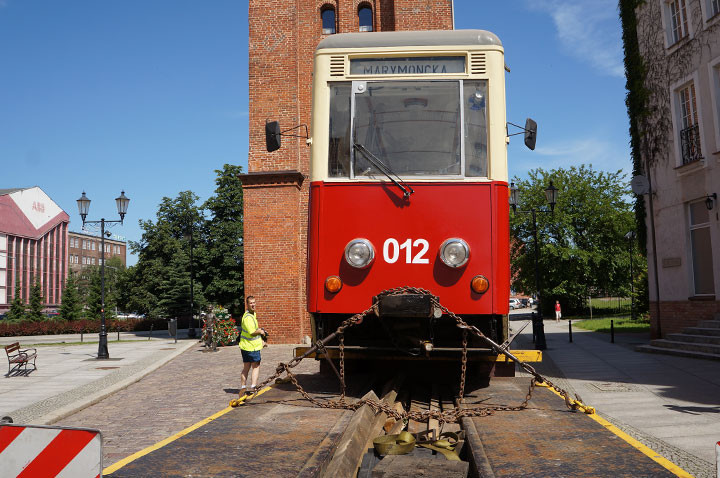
415	65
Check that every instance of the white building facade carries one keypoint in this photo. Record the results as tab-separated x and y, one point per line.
679	42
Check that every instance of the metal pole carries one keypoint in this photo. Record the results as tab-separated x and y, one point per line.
102	344
191	329
612	331
654	246
570	329
632	289
540	344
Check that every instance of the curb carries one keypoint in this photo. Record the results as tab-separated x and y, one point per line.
67	410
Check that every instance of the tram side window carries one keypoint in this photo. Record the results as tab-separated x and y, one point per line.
475	93
339	144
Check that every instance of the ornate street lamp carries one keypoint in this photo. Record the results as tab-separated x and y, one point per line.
551	194
83	208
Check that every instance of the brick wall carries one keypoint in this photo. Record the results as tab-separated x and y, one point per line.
283	37
676	315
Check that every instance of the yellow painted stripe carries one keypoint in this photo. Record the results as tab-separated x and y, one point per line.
116	466
649	452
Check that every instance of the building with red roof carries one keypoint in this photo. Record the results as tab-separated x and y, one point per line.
33	246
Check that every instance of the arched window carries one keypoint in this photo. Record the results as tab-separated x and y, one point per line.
365	17
328	20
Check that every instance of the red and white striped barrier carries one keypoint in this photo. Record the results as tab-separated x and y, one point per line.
717	458
37	451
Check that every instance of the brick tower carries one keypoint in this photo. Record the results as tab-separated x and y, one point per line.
283	37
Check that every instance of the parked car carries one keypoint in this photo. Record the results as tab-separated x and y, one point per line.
514	304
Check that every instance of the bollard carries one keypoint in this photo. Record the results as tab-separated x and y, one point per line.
151	327
118	335
532	322
570	329
612	331
81	337
539	330
172	328
717	458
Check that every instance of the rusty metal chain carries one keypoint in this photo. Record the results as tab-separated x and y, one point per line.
445	416
341	338
463	364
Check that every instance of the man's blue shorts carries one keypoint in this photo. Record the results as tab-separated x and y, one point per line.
250	356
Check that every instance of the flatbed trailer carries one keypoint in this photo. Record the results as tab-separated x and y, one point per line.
278	433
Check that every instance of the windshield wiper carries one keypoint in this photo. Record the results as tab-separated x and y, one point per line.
385	169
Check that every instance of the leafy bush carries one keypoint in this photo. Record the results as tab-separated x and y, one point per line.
225	330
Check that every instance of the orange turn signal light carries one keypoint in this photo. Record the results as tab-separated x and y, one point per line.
479	284
333	284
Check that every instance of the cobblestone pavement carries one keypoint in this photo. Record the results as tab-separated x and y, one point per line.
553	370
193	386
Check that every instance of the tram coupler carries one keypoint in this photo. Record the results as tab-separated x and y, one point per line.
406	305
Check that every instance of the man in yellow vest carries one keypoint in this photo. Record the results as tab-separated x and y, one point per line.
250	345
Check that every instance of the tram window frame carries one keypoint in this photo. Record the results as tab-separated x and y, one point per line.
341	157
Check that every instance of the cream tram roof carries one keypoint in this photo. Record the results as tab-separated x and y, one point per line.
413	38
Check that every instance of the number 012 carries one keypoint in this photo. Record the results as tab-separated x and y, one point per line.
392	248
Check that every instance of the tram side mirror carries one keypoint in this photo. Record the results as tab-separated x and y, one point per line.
530	133
272	136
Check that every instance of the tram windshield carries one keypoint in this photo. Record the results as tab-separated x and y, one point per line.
416	128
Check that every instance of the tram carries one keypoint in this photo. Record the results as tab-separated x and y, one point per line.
409	188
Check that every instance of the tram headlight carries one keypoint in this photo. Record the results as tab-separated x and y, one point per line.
454	252
359	253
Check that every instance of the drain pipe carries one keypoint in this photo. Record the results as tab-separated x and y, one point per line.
452	13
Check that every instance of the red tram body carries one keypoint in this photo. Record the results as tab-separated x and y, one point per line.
408	188
475	212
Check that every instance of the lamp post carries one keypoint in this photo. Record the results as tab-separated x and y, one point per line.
630	236
83	207
551	193
191	328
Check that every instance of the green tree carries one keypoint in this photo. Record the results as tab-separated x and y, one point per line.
18	308
163	259
35	309
222	272
582	245
71	307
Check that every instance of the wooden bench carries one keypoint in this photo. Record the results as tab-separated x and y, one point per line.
18	357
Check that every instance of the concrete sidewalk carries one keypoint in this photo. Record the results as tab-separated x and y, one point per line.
669	403
70	377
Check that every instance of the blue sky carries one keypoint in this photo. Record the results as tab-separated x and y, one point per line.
151	96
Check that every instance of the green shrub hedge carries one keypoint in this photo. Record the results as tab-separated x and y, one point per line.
55	327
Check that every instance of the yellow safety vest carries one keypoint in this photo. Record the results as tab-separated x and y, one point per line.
249	324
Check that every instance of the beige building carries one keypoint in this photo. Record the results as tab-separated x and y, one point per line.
84	250
679	41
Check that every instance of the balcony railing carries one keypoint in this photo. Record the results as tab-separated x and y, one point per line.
690	144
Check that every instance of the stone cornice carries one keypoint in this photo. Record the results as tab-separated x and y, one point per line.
263	179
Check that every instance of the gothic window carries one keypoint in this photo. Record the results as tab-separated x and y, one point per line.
328	20
365	18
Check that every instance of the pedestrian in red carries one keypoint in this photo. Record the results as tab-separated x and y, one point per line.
558	312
